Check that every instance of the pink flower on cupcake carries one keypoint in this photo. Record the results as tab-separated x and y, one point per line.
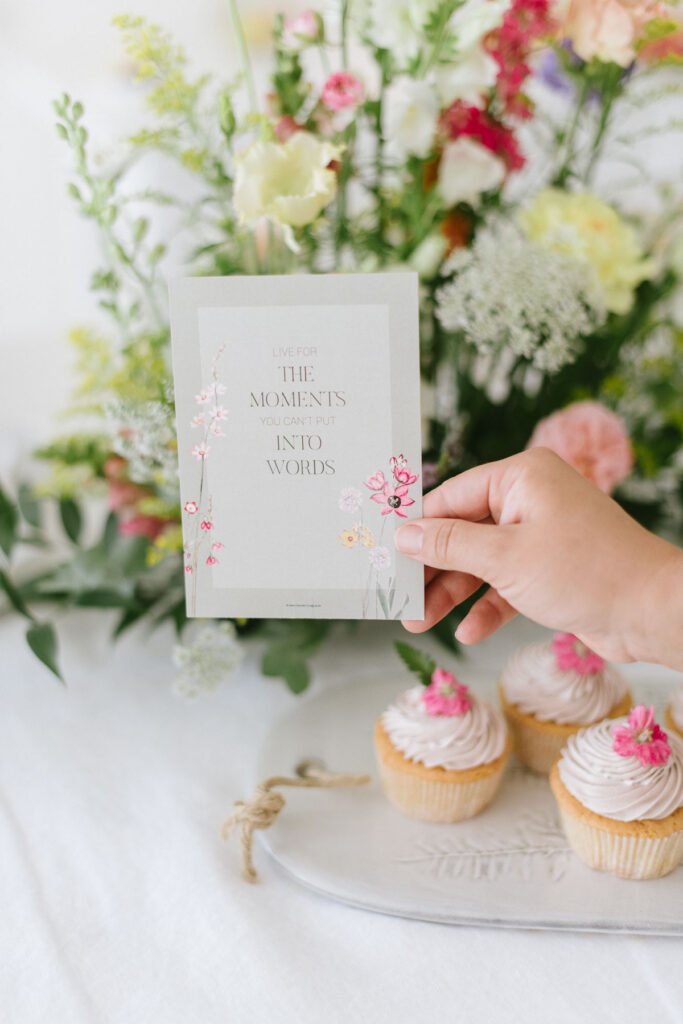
573	655
342	91
445	695
642	737
592	439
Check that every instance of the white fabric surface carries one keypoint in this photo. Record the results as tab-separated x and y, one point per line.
119	902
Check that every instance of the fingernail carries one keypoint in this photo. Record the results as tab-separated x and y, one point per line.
408	539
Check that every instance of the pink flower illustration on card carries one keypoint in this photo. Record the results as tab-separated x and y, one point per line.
394	499
391	492
642	737
376	482
201	451
206	525
191	507
211	560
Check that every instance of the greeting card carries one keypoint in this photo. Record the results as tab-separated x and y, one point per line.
298	416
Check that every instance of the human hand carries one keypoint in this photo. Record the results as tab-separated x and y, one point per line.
553	547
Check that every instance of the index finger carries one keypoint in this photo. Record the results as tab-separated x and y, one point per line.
474	495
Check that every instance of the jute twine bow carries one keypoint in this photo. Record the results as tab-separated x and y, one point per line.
264	806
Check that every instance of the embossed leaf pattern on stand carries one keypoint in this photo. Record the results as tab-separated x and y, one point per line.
535	844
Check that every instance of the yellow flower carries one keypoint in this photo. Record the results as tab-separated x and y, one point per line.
349	538
578	224
289	182
366	537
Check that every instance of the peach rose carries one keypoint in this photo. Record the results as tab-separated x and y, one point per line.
590	438
608	29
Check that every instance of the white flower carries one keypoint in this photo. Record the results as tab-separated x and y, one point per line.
475	19
203	665
467	169
289	182
428	256
509	295
468	77
350	500
397	26
379	558
411	109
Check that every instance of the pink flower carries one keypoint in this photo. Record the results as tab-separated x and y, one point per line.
302	30
590	438
404	474
191	507
220	413
198	421
342	91
188	569
394	500
286	127
142	526
445	695
203	397
217	430
123	494
206	525
376	482
608	29
217	545
573	655
641	737
201	451
212	560
115	468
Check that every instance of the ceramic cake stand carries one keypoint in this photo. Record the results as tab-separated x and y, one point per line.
510	867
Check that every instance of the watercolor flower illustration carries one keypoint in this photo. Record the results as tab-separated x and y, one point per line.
350	499
445	695
376	482
202	546
573	655
394	499
642	737
391	492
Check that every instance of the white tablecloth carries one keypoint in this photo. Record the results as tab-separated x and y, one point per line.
119	902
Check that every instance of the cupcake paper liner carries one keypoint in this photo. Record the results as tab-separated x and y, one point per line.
436	794
630	849
538	744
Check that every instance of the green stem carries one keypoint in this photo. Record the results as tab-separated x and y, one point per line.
245	57
565	170
344	33
603	123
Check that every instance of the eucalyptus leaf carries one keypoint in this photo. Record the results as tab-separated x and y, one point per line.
29	506
9	521
42	640
71	517
14	596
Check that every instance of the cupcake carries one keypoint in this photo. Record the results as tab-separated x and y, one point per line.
619	789
673	716
441	750
549	691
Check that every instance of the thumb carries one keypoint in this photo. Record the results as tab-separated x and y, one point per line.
474	548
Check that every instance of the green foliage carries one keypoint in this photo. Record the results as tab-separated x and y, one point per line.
288	78
9	522
291	644
42	640
421	664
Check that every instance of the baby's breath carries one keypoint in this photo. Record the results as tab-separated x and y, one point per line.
206	662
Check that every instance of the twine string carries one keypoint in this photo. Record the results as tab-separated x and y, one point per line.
261	810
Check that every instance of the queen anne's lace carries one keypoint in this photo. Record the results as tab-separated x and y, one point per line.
510	293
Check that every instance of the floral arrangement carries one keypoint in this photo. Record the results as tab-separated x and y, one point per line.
466	139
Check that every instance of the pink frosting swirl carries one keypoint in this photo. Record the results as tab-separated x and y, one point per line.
622	788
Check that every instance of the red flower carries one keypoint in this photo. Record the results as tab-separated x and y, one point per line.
460	119
510	46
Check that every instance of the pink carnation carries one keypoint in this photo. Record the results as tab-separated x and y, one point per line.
573	655
642	737
590	438
142	526
342	91
445	695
